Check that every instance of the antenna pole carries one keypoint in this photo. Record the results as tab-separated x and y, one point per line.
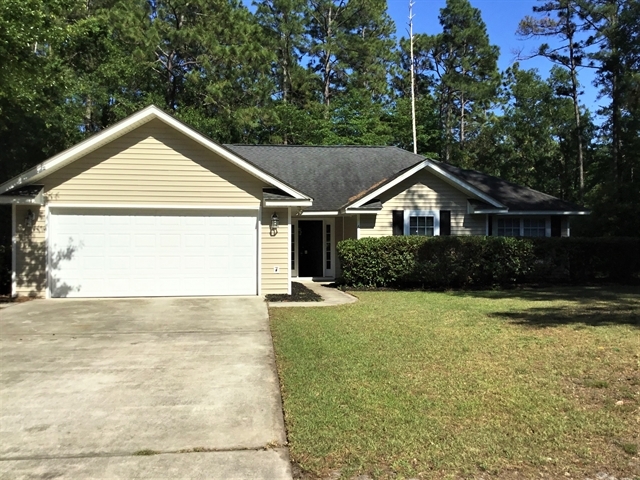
413	81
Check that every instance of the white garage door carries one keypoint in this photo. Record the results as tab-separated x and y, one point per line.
102	253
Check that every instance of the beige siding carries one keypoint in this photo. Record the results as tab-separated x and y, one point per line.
31	252
339	229
153	164
423	191
275	253
351	227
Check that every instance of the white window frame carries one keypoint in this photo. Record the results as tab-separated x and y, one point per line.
329	272
547	224
422	213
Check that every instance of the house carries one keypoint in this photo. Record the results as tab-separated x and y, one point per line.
150	207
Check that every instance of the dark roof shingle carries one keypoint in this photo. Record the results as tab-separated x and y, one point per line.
515	197
335	176
331	175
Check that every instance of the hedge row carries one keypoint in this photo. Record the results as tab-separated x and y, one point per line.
456	262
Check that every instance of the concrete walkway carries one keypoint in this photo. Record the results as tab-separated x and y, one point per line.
140	388
331	296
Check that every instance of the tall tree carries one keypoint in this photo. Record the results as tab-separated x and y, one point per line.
465	74
349	41
614	27
532	142
427	120
569	54
210	64
283	22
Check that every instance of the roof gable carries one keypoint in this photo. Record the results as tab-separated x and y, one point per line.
433	168
330	174
516	197
129	124
340	177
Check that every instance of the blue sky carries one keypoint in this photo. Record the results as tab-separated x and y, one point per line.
501	17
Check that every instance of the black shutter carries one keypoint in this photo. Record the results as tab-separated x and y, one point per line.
445	222
490	232
556	226
398	222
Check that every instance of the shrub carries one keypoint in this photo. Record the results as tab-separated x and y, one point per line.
458	262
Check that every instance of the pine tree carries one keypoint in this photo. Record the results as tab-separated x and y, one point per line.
465	72
614	28
427	120
569	54
349	41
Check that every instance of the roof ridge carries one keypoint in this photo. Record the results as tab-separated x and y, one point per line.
304	146
512	184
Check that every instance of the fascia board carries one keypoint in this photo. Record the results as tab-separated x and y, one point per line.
387	186
460	184
547	212
124	126
90	144
288	203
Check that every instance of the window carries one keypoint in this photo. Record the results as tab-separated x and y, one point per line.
508	227
327	241
522	227
422	223
419	225
534	227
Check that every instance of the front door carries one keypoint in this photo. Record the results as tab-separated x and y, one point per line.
310	248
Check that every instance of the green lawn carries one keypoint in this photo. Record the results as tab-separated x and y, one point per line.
439	385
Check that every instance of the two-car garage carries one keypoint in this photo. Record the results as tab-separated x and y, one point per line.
152	252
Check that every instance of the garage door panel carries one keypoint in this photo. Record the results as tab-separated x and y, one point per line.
155	254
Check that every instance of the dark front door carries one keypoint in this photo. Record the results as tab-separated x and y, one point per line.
310	248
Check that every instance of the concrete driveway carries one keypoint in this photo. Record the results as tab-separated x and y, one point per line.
140	388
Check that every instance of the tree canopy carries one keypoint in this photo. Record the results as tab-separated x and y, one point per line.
335	72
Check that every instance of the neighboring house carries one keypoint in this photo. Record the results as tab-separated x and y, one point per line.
150	207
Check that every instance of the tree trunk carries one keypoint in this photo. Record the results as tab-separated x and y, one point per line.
327	62
615	126
574	97
462	132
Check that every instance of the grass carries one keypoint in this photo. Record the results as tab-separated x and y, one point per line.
299	293
458	385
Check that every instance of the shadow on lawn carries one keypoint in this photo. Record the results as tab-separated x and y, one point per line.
594	316
589	306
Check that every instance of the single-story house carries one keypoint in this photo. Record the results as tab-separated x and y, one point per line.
151	207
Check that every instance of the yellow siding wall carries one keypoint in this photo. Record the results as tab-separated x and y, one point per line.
275	253
31	252
350	227
153	164
423	191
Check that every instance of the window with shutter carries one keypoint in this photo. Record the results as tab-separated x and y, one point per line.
445	222
398	222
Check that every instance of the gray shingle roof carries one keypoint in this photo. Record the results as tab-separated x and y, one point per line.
334	175
331	175
515	197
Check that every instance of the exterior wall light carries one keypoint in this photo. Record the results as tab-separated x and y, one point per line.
29	218
275	222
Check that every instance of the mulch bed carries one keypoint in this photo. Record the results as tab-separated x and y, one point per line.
299	293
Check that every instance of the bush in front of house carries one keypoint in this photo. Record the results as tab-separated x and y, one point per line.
475	262
580	260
